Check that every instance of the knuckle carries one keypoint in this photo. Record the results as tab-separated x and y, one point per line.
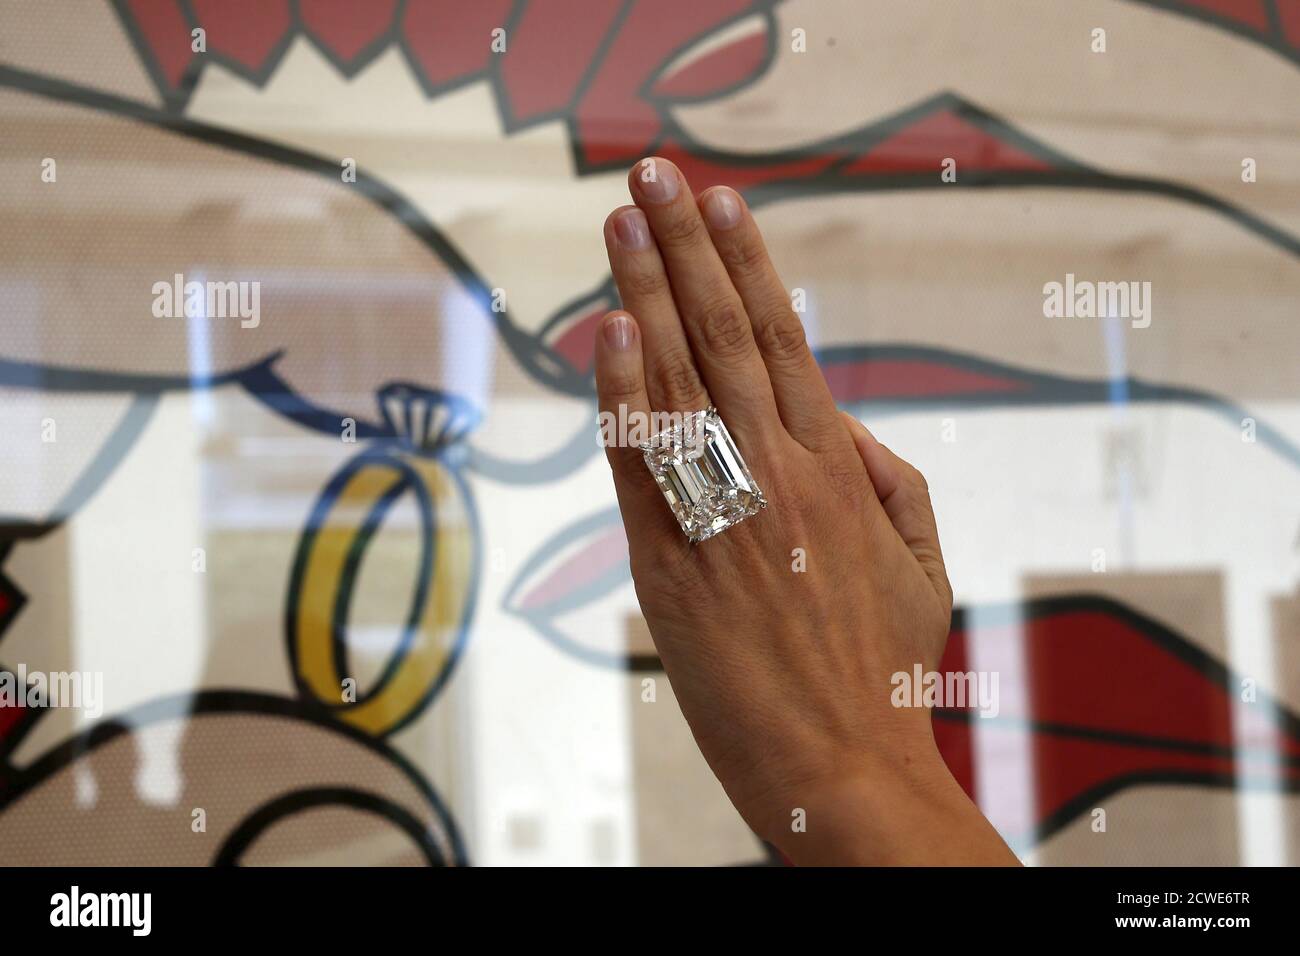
946	588
846	477
723	327
622	383
625	463
919	511
679	381
681	230
782	487
666	580
744	256
782	335
917	480
643	283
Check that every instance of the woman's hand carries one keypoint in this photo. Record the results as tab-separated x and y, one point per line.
782	665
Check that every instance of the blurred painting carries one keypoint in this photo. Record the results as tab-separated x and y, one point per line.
301	480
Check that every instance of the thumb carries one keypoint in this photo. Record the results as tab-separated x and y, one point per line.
905	496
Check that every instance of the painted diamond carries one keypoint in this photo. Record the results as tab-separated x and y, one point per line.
702	475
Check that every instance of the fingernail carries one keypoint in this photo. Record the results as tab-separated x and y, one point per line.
632	229
618	333
658	180
722	208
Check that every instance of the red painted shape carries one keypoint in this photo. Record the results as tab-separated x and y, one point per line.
1072	657
577	344
1288	15
741	173
718	70
923	145
1249	13
1065	768
451	40
614	122
588	564
551	48
167	33
246	31
1108	701
919	147
910	378
954	737
345	27
10	717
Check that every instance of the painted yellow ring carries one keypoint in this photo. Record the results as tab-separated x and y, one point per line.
322	575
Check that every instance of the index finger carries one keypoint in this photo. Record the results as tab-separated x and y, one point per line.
620	385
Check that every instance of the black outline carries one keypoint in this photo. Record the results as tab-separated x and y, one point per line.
510	123
1172	643
23	726
9	589
177	99
1036	389
540	619
219	701
1163	637
367	55
1271	40
769	31
431	89
129	427
1040	388
529	350
670	129
1076	807
1070	174
352	566
1274	20
260	377
273	811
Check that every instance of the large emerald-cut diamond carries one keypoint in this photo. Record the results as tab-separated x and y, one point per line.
701	473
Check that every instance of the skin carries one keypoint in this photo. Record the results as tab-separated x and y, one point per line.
783	677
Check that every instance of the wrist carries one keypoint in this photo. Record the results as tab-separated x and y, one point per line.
901	812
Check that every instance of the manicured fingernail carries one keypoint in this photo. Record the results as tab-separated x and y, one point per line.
632	229
722	208
618	333
658	180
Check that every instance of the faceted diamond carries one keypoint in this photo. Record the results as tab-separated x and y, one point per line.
702	475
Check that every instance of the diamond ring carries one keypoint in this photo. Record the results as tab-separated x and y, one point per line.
702	475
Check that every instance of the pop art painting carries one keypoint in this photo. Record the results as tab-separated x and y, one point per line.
300	300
